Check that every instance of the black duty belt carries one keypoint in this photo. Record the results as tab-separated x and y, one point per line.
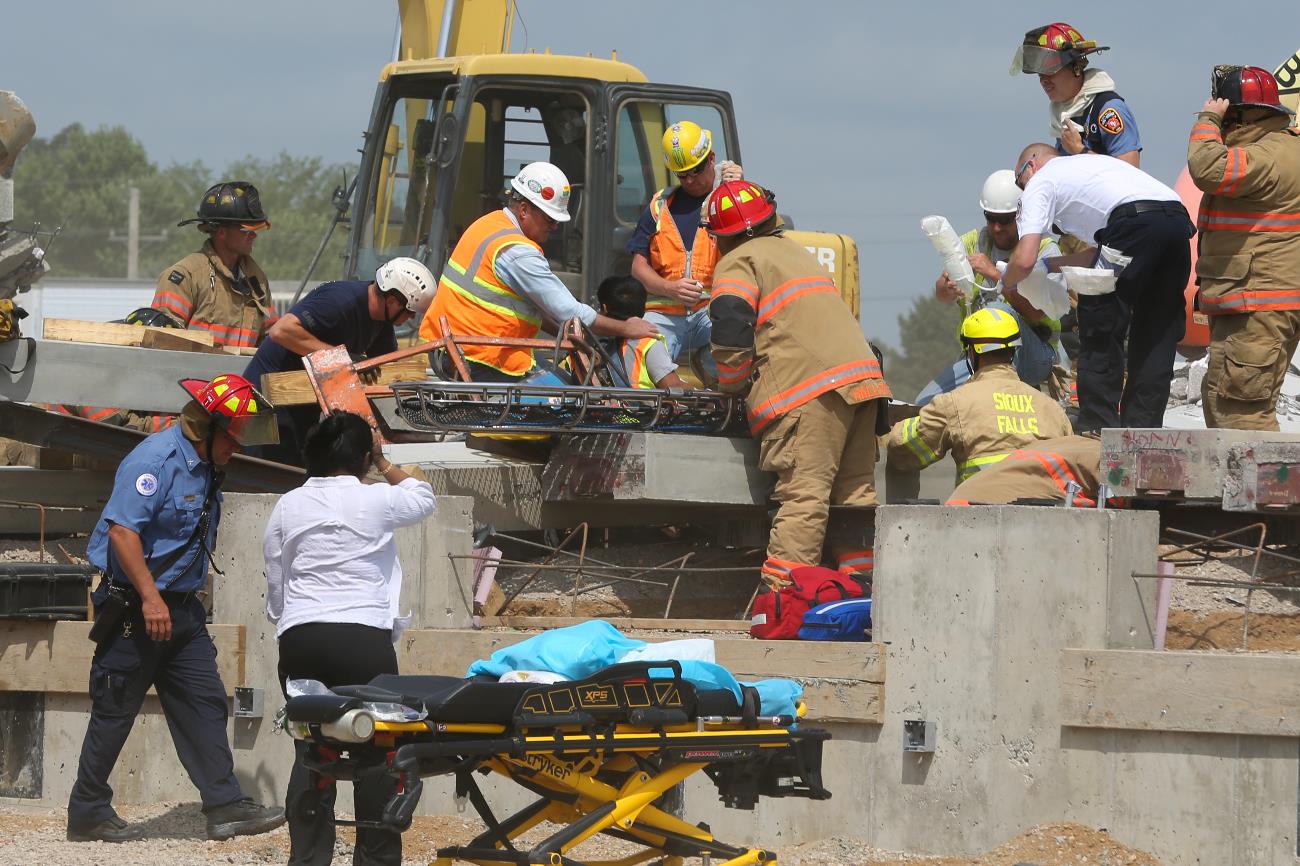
1133	208
173	597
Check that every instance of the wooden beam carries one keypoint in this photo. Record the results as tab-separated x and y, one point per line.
843	682
42	656
294	389
111	333
1205	692
177	340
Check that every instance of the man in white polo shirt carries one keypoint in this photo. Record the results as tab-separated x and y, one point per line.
1141	230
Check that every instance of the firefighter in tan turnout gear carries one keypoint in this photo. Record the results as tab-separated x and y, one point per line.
782	333
1066	470
220	288
985	419
1245	155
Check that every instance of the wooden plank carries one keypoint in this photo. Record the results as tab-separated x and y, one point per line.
248	351
55	656
844	684
1204	692
620	622
294	389
109	333
177	340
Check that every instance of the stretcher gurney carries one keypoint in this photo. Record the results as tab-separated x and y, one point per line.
443	407
598	753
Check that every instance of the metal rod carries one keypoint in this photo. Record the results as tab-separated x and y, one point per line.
518	563
1220	540
1210	581
581	527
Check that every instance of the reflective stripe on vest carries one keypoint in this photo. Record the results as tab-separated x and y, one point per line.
1059	471
669	259
634	361
975	464
478	303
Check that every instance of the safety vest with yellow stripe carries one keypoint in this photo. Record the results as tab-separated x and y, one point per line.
670	260
980	423
775	310
1249	223
476	302
204	295
634	361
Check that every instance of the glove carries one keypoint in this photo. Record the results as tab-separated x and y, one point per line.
728	170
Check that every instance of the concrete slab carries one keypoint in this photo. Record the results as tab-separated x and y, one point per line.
1262	477
656	467
90	374
968	623
1163	464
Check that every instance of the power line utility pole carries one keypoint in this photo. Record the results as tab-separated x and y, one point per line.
133	236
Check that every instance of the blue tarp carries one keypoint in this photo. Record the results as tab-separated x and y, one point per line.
578	651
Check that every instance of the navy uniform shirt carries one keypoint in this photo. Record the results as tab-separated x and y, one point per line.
158	493
1114	133
337	314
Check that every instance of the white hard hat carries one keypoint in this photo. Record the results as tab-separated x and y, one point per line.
545	186
1000	193
409	277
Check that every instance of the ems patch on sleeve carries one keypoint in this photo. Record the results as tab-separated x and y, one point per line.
177	277
1111	122
146	484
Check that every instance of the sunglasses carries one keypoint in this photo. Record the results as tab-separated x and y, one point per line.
999	218
687	175
1022	170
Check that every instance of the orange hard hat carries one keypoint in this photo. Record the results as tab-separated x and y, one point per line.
737	206
236	407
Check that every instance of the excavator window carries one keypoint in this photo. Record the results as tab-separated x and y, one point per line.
523	126
641	169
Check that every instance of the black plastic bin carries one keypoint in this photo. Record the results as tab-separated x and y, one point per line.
44	590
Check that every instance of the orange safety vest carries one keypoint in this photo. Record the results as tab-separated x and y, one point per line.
478	303
668	257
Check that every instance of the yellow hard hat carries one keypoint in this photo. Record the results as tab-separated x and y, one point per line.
990	330
686	145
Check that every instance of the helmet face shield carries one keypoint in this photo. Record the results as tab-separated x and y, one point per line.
1037	60
260	429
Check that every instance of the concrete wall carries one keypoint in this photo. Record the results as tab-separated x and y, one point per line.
976	629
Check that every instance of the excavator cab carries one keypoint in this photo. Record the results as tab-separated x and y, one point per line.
446	136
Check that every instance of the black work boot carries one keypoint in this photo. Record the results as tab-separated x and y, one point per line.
242	818
110	830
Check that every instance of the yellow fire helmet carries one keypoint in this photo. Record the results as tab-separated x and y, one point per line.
990	330
686	145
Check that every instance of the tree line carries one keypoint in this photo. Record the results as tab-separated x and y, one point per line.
80	179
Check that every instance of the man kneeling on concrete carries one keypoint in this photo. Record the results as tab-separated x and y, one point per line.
987	418
1054	470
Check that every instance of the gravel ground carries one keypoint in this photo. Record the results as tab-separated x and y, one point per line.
176	838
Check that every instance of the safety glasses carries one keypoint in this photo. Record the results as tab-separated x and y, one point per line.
999	218
1021	171
687	175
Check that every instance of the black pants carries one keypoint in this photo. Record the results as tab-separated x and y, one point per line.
336	654
183	670
1147	308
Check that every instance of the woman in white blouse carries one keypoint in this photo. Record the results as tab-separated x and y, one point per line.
333	582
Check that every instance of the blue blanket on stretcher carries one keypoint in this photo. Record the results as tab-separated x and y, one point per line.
578	651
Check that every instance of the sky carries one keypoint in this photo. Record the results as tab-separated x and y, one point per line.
862	116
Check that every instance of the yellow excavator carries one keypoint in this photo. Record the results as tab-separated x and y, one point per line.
456	115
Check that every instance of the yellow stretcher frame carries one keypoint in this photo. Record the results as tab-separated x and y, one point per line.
590	778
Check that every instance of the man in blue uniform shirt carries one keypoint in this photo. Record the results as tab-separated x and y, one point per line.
358	314
1087	115
154	542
